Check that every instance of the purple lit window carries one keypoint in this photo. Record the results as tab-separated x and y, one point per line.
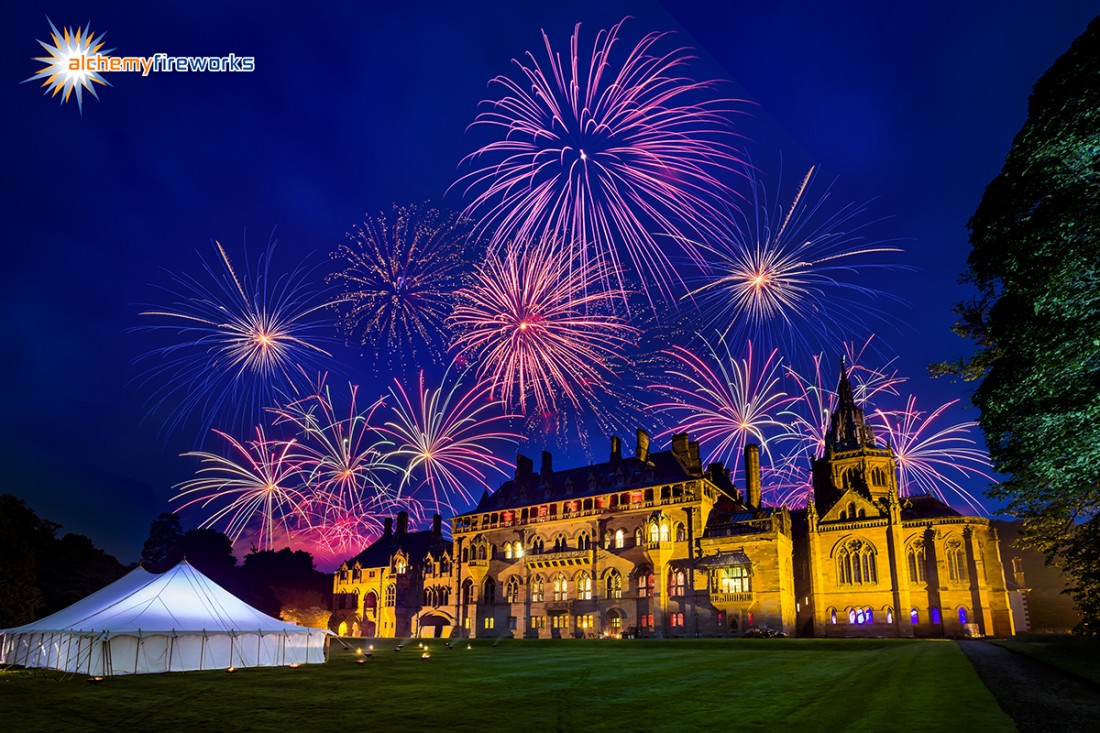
914	617
936	616
962	616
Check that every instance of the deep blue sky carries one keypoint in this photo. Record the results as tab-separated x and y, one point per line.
355	107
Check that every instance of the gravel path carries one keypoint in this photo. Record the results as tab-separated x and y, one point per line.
1037	696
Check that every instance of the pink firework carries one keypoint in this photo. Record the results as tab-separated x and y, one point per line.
343	457
933	460
603	150
725	402
538	329
256	490
446	438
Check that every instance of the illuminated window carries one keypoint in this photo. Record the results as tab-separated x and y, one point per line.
676	620
559	621
676	583
935	613
620	539
861	616
507	550
585	621
914	617
664	531
654	534
538	622
889	615
391	594
584	587
963	618
511	590
645	622
734	579
638	537
832	616
401	565
645	585
614	584
561	588
616	622
489	622
536	590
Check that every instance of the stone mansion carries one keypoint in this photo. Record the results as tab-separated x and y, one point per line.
654	543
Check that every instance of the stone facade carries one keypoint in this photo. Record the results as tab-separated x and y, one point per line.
653	544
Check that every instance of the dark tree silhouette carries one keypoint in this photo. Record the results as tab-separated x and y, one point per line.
1036	321
164	547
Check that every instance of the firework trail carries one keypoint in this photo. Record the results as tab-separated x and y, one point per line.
791	278
256	488
540	334
603	150
806	418
343	459
445	438
932	459
725	402
239	343
400	273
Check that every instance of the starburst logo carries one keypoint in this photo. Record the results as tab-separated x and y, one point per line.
65	70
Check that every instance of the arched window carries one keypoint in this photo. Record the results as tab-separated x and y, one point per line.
664	531
681	533
511	590
536	546
638	537
481	552
654	533
620	539
517	551
560	543
536	589
861	616
561	588
584	586
889	615
401	565
645	583
370	601
489	591
914	617
956	561
467	592
614	584
444	595
832	616
915	557
391	594
465	554
584	542
963	618
935	614
507	550
676	582
855	564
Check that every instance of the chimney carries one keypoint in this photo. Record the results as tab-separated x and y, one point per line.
402	523
616	450
388	524
437	528
641	448
524	466
547	464
695	465
752	474
680	447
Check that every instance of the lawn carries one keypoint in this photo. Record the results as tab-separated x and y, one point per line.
586	685
1075	654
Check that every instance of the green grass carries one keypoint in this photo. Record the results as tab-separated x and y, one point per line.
585	685
1075	654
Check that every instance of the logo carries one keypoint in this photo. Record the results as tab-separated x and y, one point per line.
77	62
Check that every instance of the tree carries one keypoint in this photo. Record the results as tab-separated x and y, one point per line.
22	534
1036	321
164	547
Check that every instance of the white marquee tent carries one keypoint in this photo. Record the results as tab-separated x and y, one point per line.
172	622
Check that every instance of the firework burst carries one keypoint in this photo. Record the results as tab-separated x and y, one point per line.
400	272
538	330
256	489
791	278
239	343
343	458
445	438
603	150
933	459
725	402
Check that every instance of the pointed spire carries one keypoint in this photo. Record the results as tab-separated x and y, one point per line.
847	428
845	397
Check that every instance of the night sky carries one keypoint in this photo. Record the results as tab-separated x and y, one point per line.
354	108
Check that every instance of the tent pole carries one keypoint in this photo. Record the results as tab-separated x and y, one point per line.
171	648
137	650
202	649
